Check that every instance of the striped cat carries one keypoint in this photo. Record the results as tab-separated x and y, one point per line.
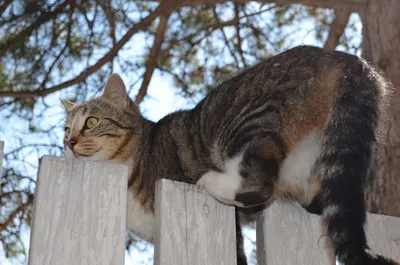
300	126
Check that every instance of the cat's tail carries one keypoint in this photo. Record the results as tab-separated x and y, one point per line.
241	256
348	151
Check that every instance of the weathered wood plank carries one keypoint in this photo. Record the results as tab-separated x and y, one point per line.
79	213
192	227
288	235
383	234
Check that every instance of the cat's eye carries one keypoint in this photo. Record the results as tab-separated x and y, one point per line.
91	122
67	132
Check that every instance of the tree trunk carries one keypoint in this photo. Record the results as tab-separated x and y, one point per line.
381	47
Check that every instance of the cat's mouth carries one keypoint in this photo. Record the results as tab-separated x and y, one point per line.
77	155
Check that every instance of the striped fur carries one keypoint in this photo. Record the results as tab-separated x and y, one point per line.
300	126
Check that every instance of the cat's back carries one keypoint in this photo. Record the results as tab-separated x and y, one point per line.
296	70
290	93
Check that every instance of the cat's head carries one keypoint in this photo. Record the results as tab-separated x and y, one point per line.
104	128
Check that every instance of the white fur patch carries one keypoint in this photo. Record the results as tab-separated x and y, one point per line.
224	186
297	166
142	223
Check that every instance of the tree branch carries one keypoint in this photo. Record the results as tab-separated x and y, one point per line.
337	28
215	26
107	8
225	37
111	19
21	37
152	58
366	38
352	5
239	39
20	208
164	7
66	45
4	6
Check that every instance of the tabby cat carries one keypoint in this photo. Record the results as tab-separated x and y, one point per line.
301	126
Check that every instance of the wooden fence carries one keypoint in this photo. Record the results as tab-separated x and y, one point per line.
79	219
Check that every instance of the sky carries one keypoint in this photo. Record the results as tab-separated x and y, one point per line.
162	99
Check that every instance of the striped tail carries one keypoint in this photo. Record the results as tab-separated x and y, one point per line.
241	256
348	150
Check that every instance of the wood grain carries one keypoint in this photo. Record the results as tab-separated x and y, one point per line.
383	234
192	227
79	213
288	235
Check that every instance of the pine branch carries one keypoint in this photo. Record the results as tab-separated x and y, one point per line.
152	58
13	214
164	7
22	36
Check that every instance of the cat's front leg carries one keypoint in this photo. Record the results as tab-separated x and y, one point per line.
246	181
222	186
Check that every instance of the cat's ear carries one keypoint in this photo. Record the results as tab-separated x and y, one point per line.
67	105
115	91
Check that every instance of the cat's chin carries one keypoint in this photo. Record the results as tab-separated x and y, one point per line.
99	155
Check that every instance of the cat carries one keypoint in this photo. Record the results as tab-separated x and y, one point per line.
301	126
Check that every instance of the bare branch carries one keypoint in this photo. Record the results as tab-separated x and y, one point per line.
163	8
111	20
215	26
152	58
337	28
225	37
239	39
66	45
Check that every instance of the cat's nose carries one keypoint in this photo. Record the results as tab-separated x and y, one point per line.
71	143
